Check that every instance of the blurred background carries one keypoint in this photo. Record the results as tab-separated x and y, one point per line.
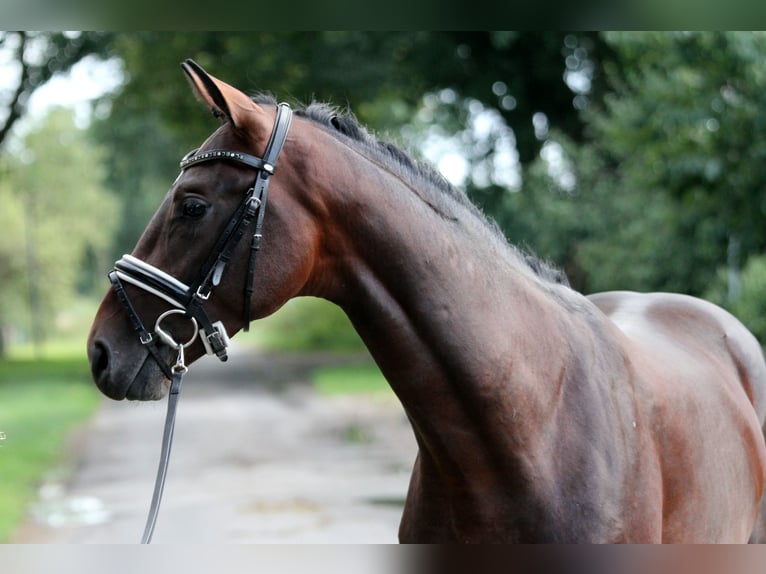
632	160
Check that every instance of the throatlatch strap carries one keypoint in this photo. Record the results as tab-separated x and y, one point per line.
255	246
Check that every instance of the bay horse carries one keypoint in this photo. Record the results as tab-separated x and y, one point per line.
541	415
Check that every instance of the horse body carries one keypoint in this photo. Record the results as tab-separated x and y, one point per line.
540	414
537	418
702	379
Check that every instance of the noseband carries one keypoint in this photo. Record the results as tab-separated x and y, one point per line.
191	298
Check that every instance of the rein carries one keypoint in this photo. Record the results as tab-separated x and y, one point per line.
188	300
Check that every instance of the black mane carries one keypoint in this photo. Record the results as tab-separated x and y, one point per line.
345	123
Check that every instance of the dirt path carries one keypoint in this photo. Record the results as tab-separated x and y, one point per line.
258	458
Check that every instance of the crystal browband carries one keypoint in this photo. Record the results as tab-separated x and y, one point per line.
241	157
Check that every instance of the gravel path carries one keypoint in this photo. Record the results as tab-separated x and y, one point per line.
258	457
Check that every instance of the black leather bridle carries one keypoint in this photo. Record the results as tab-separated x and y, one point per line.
191	298
188	300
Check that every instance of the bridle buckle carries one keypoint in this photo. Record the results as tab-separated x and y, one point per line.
253	203
216	341
201	295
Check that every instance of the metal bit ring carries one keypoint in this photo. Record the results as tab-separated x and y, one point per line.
167	338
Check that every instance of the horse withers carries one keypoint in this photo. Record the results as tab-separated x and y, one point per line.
541	415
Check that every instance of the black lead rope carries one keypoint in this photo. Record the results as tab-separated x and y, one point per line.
178	370
167	443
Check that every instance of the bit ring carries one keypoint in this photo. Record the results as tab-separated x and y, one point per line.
167	338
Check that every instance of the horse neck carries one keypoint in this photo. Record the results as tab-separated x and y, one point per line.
460	328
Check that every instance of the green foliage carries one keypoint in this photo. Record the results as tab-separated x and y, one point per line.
607	231
749	304
671	165
55	219
350	380
29	371
678	149
361	69
40	403
140	163
306	324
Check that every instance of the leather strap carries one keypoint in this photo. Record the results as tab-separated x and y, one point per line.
147	338
221	253
167	443
261	190
215	340
255	246
253	205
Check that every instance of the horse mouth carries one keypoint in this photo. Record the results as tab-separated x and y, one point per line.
150	384
144	382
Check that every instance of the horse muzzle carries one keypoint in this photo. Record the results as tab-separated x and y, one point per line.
133	376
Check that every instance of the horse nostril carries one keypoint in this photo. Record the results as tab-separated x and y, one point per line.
99	360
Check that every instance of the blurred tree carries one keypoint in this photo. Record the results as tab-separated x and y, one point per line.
518	73
749	304
139	164
53	215
34	58
681	146
381	76
665	176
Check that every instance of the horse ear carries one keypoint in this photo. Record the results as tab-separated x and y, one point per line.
224	100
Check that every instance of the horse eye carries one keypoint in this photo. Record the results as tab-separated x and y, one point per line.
194	208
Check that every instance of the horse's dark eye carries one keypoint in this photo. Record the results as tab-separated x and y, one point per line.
194	208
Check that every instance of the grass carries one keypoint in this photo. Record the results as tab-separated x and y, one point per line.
46	392
350	380
41	402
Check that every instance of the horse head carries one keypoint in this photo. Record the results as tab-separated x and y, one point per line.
196	253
